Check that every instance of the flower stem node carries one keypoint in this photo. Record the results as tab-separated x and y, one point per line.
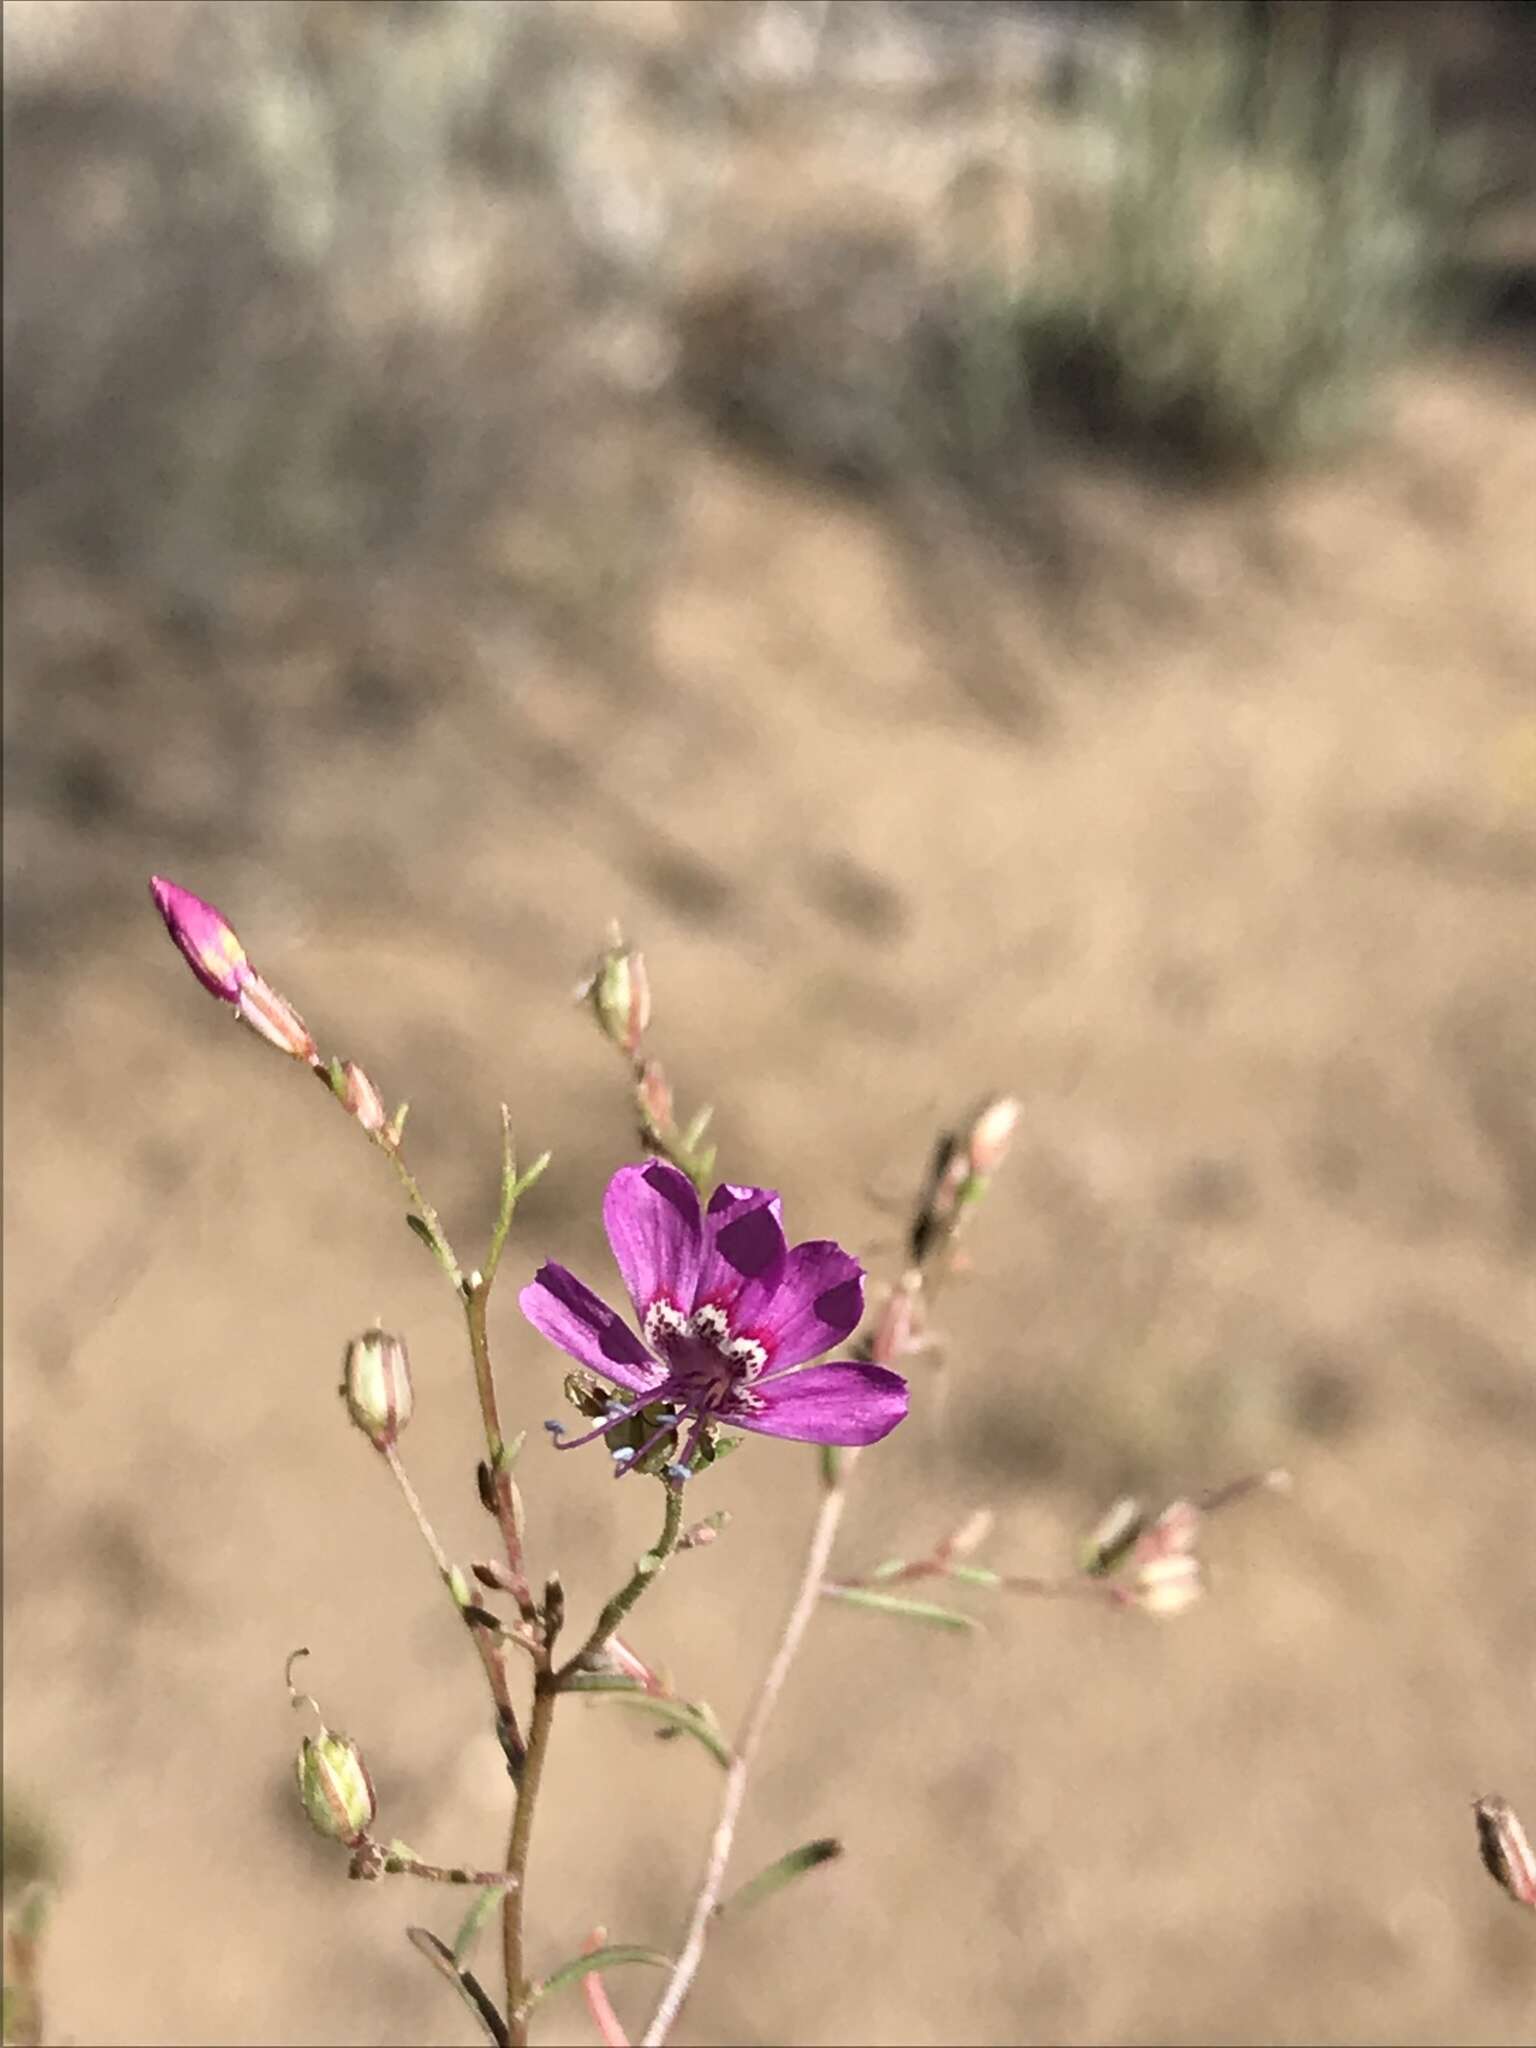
334	1787
376	1385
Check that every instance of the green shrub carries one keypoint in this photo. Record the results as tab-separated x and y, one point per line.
1249	232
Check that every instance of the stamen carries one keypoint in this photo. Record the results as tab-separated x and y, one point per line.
632	1458
574	1443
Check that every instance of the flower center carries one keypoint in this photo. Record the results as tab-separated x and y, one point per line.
710	1368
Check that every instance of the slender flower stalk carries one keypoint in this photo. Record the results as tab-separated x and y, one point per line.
936	1225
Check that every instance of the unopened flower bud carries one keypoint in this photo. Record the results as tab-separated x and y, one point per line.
963	1541
206	939
334	1786
653	1094
991	1129
620	996
274	1018
622	1658
898	1330
1164	1586
1174	1533
1506	1849
1110	1540
376	1385
216	956
360	1098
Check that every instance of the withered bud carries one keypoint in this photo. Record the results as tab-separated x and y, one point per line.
620	996
1506	1849
376	1385
334	1787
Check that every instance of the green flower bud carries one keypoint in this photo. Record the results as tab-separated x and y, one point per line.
335	1788
620	996
376	1385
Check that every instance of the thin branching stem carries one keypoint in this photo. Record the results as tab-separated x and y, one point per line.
754	1728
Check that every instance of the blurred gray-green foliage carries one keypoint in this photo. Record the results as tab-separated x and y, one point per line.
1254	226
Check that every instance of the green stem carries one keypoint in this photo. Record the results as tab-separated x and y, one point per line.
437	1237
519	1843
646	1572
476	1292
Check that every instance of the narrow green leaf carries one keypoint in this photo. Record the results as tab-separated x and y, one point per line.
508	1197
974	1574
892	1568
909	1610
809	1856
474	1920
697	1126
440	1956
677	1714
423	1230
608	1958
535	1172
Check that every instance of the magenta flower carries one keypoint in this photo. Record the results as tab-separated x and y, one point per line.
728	1312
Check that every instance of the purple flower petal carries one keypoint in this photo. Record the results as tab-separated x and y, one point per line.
744	1245
846	1403
816	1305
567	1312
651	1214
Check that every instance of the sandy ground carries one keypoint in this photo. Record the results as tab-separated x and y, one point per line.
1224	862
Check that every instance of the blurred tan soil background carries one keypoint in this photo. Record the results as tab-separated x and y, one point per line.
998	540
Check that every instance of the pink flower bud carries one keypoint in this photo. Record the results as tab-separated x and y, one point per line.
654	1096
898	1330
628	1665
360	1098
217	958
1505	1849
208	943
1173	1534
376	1385
1163	1585
991	1129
